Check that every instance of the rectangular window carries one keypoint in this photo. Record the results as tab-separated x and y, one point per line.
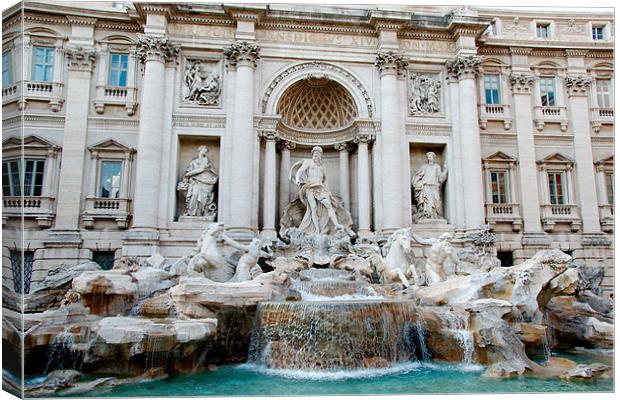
542	31
609	185
547	92
43	64
557	187
110	179
32	176
7	75
118	70
598	32
491	89
500	187
105	259
604	93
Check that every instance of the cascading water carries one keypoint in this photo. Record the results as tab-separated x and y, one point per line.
340	324
457	325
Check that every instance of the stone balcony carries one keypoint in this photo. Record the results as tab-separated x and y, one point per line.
116	96
601	116
545	114
106	208
50	92
606	213
495	112
553	214
504	213
39	208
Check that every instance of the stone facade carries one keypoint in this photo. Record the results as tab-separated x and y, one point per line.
117	99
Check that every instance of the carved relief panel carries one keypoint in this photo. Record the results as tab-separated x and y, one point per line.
202	83
425	94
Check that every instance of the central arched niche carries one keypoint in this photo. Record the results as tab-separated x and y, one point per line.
317	104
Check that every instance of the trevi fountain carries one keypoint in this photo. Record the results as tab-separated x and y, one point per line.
316	310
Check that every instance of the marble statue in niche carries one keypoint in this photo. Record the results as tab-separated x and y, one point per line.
425	94
198	185
203	87
426	184
315	210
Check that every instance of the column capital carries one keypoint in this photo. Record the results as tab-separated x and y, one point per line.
156	48
390	62
365	138
242	53
578	85
80	59
521	83
342	146
464	67
268	135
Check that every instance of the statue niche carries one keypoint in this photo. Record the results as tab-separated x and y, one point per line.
198	187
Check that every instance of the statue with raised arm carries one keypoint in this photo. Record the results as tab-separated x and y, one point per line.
427	189
198	183
441	253
247	267
315	210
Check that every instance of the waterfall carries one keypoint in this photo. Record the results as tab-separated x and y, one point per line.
63	354
333	335
457	325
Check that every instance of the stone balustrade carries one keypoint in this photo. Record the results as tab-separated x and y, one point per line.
548	114
504	213
495	112
37	207
106	208
560	213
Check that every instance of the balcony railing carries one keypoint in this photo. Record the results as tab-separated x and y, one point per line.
560	213
606	214
600	116
106	208
116	96
504	213
39	208
548	114
495	112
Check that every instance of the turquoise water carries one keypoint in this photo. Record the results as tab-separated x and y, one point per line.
410	378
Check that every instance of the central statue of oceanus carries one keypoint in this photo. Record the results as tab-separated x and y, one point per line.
315	210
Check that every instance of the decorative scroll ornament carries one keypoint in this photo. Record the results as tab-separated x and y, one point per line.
390	61
425	94
464	66
521	83
203	86
239	52
151	47
578	85
80	59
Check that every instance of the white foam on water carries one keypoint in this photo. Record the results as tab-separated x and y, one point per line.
339	375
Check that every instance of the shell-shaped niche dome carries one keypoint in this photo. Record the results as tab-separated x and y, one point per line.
317	104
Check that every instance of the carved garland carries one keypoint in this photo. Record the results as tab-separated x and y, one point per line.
320	66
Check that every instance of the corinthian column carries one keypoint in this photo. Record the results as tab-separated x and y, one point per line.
153	51
243	57
80	66
343	150
465	68
392	141
578	88
521	85
363	185
269	188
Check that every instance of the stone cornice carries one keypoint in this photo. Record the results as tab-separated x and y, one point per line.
156	48
521	83
80	59
464	66
242	53
390	62
578	85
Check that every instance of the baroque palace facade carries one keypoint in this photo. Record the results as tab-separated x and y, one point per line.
140	123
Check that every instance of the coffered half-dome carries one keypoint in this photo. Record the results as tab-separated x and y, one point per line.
317	104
